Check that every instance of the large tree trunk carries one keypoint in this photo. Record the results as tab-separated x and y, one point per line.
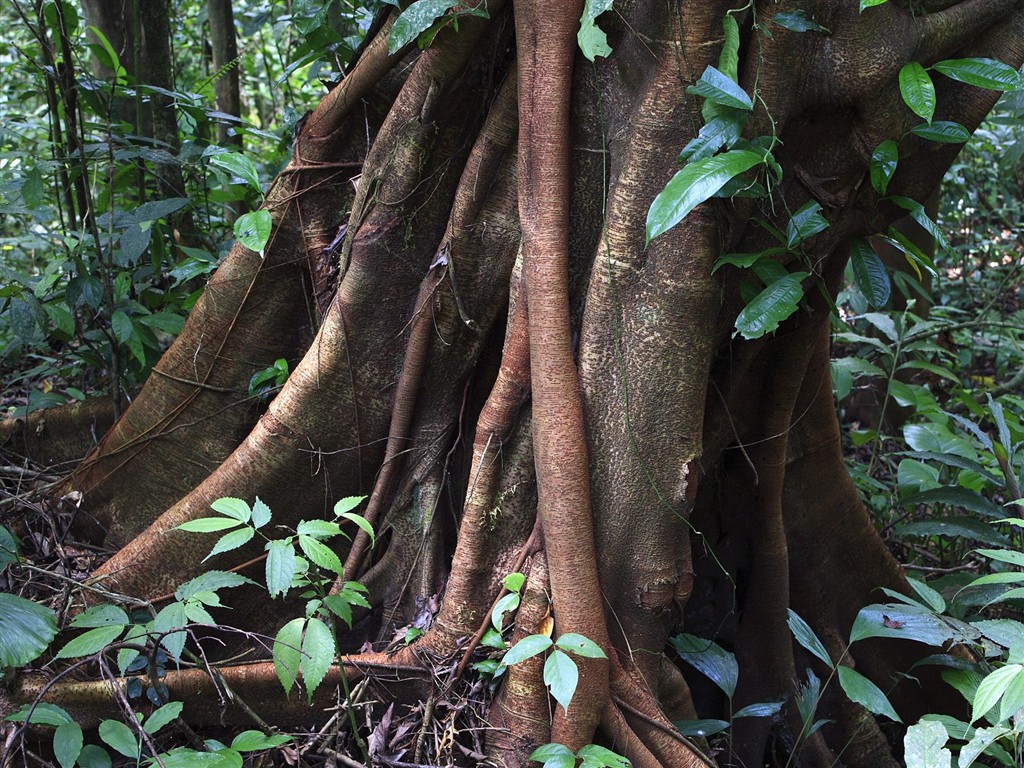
517	379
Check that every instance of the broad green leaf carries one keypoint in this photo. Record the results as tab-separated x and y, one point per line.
766	709
960	527
121	325
347	504
209	525
938	439
580	645
253	230
729	58
526	648
230	541
89	642
934	600
797	21
1005	577
321	554
918	214
591	38
416	19
1004	632
280	566
984	73
700	728
554	756
805	222
771	306
318	529
957	497
237	509
513	582
924	745
723	130
317	654
1012	699
107	56
182	757
902	621
806	637
596	756
362	523
710	659
980	741
869	272
883	165
507	603
915	476
120	738
197	614
26	630
992	688
260	513
210	581
170	618
866	693
561	675
942	131
865	4
161	717
42	713
694	184
256	741
1004	556
104	615
917	90
67	744
287	651
93	756
240	166
721	89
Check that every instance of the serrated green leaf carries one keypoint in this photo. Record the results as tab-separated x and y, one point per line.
924	745
236	509
230	541
508	603
317	654
90	642
347	504
104	615
721	89
526	648
869	272
209	525
943	132
806	637
561	676
709	658
362	523
280	566
210	581
984	73
260	513
918	90
238	165
256	741
797	21
253	230
120	738
694	184
580	645
318	529
771	306
161	717
321	554
287	651
591	39
883	165
992	688
866	693
197	614
67	744
170	618
416	19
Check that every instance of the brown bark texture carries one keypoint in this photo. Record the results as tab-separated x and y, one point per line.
517	379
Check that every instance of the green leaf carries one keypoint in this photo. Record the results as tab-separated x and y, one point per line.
526	648
513	582
161	717
934	600
260	513
806	637
210	581
93	756
942	131
256	741
554	756
209	525
240	166
721	89
26	631
230	541
1012	699
958	497
591	38
805	222
121	325
104	615
321	554
992	688
729	57
317	654
709	658
106	55
170	618
280	566
906	622
797	21
765	709
924	746
561	675
120	738
918	214
980	741
723	130
508	603
595	756
883	165
414	20
580	645
866	693
253	230
869	272
287	651
1004	556
89	642
984	73
959	527
362	523
237	509
42	713
771	306
865	4
700	728
67	744
318	529
917	90
694	184
347	504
